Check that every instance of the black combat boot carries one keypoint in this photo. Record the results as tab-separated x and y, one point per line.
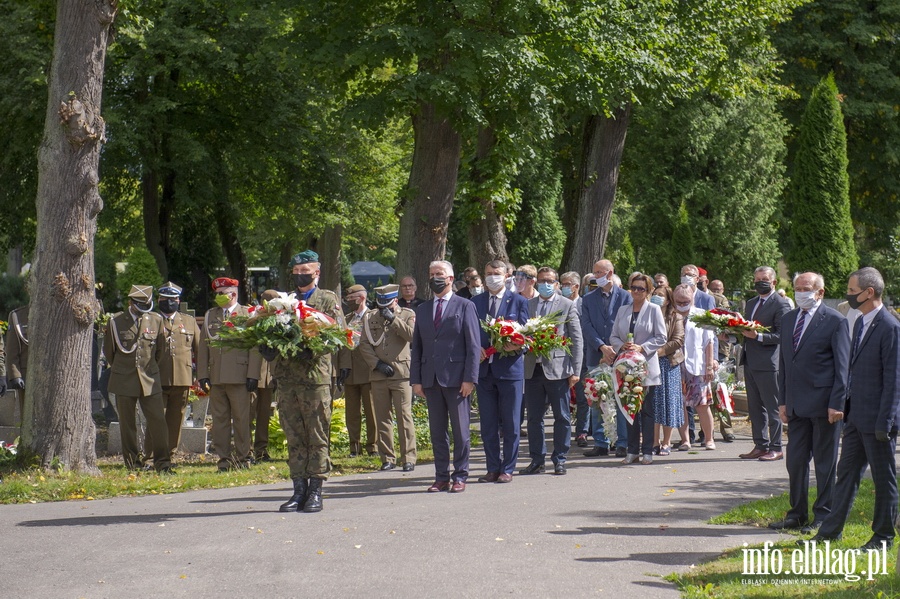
295	503
314	498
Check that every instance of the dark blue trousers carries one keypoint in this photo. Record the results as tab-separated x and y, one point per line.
811	439
447	407
500	404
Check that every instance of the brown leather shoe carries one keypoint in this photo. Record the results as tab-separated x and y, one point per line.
438	486
490	477
753	455
457	487
504	478
771	456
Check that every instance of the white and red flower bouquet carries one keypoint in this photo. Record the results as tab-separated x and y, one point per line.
504	334
541	335
288	325
598	389
630	370
726	321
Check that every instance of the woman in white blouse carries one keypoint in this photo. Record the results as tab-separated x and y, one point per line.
698	367
645	322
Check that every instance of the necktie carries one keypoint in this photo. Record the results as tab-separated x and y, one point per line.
545	306
857	337
438	312
756	308
493	307
798	330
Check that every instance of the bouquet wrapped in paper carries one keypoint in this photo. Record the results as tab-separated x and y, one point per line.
287	325
504	334
726	321
630	370
598	389
541	335
724	385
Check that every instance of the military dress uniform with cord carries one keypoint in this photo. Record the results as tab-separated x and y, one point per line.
133	346
357	387
384	345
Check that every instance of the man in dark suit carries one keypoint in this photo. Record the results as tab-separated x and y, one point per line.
871	413
760	360
598	311
812	386
501	379
444	369
548	380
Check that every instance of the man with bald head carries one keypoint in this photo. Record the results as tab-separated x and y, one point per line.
812	386
598	311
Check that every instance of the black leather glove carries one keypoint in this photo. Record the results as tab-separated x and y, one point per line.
385	368
204	384
882	436
388	315
252	385
342	376
17	383
268	353
2	385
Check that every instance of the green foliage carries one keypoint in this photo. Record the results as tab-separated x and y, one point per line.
820	236
537	235
722	162
12	294
141	269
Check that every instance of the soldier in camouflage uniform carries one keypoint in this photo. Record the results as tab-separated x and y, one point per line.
304	395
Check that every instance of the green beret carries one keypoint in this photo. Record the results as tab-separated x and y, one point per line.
304	257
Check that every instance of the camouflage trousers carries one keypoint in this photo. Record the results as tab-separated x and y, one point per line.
305	412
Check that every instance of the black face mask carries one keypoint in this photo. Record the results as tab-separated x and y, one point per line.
168	306
852	299
438	284
763	287
303	280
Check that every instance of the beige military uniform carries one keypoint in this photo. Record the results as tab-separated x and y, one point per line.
176	370
229	400
358	393
261	411
390	344
133	349
17	351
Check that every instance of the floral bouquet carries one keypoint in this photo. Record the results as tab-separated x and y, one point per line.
287	325
4	326
724	387
503	333
726	321
598	388
541	336
631	373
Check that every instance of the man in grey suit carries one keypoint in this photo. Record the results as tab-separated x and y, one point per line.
812	386
446	349
760	360
549	379
871	413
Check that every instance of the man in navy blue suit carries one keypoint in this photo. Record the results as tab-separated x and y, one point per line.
598	311
501	379
812	387
444	369
870	413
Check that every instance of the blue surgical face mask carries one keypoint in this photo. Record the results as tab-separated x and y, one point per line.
566	291
656	299
545	289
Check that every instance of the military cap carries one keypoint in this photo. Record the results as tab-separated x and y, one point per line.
385	294
304	258
224	283
170	289
268	295
701	271
141	293
354	289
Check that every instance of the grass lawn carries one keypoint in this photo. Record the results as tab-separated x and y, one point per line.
724	577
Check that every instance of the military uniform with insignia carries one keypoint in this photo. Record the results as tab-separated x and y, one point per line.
230	376
133	346
384	345
357	390
261	402
17	354
304	395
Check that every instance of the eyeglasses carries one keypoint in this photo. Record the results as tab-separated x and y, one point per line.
522	275
407	285
638	289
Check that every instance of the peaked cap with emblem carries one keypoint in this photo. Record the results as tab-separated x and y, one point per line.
386	293
170	289
141	293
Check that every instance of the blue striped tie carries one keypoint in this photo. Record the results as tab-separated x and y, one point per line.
798	330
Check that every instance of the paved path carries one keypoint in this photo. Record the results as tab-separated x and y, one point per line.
604	530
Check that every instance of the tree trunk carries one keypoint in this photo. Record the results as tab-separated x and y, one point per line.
284	271
601	155
329	250
430	193
226	221
14	261
487	237
58	425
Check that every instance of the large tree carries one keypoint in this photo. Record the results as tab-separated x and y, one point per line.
58	423
820	233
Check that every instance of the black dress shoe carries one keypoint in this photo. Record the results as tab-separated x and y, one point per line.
532	468
621	452
877	544
559	469
819	538
728	438
787	523
388	466
596	452
811	527
408	466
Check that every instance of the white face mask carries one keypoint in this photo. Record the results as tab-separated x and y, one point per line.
684	309
688	280
477	291
603	281
805	299
494	282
